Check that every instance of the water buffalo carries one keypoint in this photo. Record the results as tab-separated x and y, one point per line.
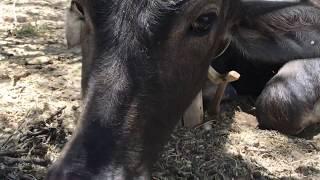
143	63
289	101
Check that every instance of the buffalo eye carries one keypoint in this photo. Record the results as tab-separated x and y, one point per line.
203	24
77	8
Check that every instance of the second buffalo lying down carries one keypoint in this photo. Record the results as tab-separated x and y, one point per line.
290	100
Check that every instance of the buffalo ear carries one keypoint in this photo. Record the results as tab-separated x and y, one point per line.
259	7
73	26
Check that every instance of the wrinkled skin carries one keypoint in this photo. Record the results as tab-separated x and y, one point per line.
143	63
282	35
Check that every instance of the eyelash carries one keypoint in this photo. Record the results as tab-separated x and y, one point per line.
203	24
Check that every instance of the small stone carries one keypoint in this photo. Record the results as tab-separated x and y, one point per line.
39	60
207	126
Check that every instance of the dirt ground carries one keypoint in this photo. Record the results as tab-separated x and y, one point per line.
40	101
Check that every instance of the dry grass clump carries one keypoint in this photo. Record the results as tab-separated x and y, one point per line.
233	150
25	151
27	30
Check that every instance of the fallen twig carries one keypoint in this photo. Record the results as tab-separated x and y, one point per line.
18	129
11	160
56	113
12	153
28	177
17	77
256	149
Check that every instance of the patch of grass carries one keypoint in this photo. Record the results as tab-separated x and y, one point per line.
27	30
43	28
